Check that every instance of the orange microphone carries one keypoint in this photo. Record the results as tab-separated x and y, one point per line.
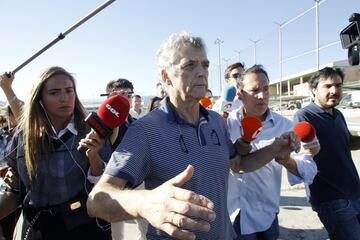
305	131
307	134
251	127
205	102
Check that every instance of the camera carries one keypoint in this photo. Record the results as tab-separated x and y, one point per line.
350	39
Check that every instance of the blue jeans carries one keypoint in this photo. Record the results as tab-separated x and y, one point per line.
270	234
340	218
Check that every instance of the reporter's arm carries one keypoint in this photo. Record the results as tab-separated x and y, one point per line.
290	165
254	160
281	148
10	198
8	203
15	103
306	168
93	143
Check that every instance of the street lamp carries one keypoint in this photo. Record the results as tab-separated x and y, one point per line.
281	25
317	2
254	42
218	41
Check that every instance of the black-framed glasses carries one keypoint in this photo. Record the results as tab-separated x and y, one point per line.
119	92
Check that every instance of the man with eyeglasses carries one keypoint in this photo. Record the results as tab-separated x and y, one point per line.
254	197
124	88
182	152
232	76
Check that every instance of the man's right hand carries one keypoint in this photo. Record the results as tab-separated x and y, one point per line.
177	211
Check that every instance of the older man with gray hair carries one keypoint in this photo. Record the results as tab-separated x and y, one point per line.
183	154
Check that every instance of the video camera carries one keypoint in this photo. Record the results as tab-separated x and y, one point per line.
350	39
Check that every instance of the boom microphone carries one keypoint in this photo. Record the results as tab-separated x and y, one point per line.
205	102
227	98
111	114
307	134
250	128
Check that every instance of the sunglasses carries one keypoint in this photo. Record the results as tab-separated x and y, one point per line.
236	75
120	92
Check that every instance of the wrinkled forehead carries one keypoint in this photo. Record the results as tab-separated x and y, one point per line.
190	53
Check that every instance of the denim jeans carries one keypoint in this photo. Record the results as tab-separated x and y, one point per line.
340	218
270	234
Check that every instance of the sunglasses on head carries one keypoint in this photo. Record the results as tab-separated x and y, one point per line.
118	92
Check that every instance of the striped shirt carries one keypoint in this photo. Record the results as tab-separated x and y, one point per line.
62	172
160	145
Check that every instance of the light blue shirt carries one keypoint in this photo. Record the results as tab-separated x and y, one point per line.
257	193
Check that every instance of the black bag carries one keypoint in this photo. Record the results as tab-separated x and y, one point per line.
74	213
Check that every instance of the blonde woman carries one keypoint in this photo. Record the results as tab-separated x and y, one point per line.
54	178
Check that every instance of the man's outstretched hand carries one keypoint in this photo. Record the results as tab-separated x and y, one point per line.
175	210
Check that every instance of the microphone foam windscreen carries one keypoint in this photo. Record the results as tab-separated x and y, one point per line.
205	102
305	131
228	93
251	127
113	111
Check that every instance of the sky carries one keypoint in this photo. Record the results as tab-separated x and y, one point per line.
121	40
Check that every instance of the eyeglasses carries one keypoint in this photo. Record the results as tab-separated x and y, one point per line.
236	75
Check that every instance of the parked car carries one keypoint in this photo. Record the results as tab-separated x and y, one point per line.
346	101
355	99
305	102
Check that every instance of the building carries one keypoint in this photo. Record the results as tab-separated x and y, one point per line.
295	88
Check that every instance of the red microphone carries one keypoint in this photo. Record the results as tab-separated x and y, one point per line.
205	102
111	114
251	127
307	134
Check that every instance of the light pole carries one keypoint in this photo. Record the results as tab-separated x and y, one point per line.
317	2
280	62
226	60
218	41
238	52
254	42
211	76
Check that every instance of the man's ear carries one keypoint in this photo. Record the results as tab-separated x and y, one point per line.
313	90
239	93
165	77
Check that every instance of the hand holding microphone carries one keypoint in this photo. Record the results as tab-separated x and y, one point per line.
307	135
250	129
111	114
227	98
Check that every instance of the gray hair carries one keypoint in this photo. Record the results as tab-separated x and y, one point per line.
168	53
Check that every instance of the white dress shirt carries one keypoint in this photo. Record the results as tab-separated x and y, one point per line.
136	115
237	103
257	193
